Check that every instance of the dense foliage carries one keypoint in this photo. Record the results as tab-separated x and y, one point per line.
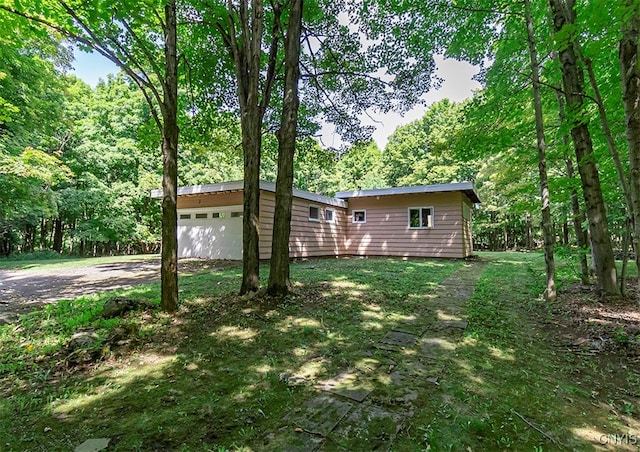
77	163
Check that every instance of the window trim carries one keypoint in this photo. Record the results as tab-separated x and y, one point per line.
333	215
419	209
353	216
185	216
313	206
223	212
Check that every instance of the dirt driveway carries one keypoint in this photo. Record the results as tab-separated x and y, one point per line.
24	290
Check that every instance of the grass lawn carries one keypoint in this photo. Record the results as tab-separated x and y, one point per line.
63	261
223	372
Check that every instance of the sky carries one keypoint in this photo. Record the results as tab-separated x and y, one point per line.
458	85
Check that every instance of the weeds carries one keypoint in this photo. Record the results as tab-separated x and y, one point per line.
222	373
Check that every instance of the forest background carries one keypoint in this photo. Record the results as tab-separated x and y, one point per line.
78	163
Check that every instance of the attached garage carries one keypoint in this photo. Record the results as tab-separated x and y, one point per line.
210	222
214	233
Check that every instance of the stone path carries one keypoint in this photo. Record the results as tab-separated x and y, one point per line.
349	413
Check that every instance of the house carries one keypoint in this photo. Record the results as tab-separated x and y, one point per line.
424	221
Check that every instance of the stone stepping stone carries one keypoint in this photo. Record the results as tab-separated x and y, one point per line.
399	339
320	415
292	439
415	373
348	384
368	365
93	445
454	324
434	347
368	427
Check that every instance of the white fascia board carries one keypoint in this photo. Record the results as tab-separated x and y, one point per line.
239	185
466	187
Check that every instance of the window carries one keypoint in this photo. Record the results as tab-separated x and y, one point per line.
314	213
359	216
329	215
216	215
200	216
185	216
236	214
420	217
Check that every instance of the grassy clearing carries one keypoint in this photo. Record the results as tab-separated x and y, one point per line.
223	372
54	261
515	384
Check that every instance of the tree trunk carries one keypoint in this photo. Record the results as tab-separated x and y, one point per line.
251	144
630	75
572	79
577	215
279	273
57	235
493	237
606	129
44	227
547	227
169	109
626	235
247	54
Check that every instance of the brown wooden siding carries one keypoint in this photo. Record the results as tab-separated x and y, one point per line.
308	238
467	236
386	231
210	200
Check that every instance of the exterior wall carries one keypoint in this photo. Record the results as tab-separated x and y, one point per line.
209	237
467	218
386	231
210	200
308	238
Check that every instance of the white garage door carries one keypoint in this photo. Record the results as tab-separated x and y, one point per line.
213	233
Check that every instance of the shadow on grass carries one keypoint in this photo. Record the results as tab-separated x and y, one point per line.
224	372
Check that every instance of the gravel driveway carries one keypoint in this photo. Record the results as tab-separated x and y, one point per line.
24	290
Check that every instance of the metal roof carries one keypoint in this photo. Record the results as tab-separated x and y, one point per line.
339	200
464	187
239	185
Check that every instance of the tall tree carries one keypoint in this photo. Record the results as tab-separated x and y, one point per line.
423	151
563	16
629	48
279	273
127	34
241	26
338	80
547	227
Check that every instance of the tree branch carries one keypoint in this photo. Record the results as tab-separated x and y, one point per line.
156	69
273	57
478	10
348	73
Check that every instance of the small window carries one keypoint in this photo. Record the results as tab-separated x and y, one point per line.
329	215
359	216
216	215
314	213
201	216
236	214
420	217
185	216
